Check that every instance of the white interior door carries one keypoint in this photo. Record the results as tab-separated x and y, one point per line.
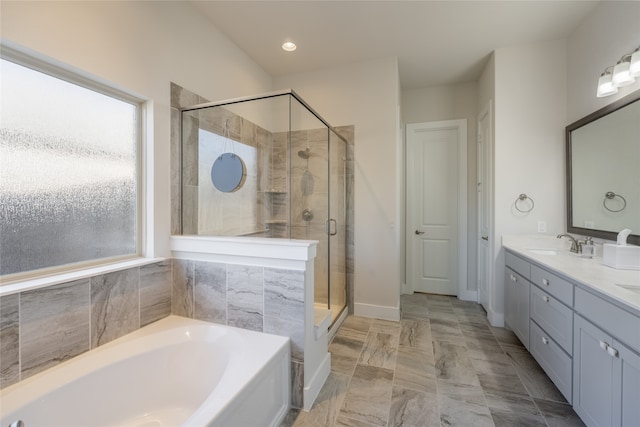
484	206
436	206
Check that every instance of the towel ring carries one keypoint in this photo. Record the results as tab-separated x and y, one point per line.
522	198
610	195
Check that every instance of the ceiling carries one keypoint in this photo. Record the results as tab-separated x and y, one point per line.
436	42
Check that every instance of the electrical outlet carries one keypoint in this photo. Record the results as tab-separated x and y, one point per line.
542	226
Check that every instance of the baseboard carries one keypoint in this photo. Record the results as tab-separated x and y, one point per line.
377	311
311	391
468	296
496	319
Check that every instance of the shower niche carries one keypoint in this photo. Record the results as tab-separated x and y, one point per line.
296	172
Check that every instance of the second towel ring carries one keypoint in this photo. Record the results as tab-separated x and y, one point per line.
610	195
522	198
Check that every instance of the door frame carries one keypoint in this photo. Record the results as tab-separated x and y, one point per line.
461	126
487	111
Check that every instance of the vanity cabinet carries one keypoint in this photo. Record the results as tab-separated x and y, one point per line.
516	313
606	370
541	312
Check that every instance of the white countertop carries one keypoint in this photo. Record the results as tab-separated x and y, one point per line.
589	272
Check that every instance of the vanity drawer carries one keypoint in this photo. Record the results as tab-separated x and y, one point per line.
614	320
560	288
555	362
554	318
518	265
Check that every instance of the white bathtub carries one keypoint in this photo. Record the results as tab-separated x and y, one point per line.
175	372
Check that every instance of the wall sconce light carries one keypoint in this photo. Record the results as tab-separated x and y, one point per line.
624	73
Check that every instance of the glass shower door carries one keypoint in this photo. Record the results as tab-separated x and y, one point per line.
337	225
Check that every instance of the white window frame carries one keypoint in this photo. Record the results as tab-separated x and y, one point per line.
21	281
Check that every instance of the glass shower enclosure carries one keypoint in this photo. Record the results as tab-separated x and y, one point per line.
268	166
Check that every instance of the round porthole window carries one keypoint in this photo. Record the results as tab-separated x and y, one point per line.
228	173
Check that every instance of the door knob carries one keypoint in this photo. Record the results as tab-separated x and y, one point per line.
419	232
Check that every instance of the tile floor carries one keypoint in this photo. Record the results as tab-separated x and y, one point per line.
441	365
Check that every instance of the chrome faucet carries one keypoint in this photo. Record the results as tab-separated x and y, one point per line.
576	247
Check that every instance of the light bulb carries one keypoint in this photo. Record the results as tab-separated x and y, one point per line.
289	46
605	86
621	75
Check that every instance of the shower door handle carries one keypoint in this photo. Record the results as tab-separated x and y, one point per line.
328	227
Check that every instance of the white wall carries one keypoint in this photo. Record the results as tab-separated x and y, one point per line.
140	47
449	103
610	31
530	116
366	95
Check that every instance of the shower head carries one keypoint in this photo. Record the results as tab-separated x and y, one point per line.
304	154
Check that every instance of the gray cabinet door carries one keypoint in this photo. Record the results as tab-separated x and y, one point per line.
626	386
516	312
593	373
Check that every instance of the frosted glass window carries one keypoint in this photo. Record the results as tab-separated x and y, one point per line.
68	172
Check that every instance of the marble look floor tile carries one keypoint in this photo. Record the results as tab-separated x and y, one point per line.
463	414
416	334
368	397
558	414
379	350
385	327
502	383
494	366
464	393
510	402
505	336
415	370
453	364
210	292
115	305
533	377
327	405
444	328
510	419
343	421
422	316
9	340
155	292
411	408
357	324
471	329
345	352
481	342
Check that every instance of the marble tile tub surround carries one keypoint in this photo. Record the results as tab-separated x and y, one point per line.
262	299
43	327
441	365
590	273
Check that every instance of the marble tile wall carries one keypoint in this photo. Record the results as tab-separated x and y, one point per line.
43	327
257	298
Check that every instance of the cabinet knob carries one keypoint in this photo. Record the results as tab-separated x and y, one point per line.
545	298
612	352
545	282
545	341
513	278
604	346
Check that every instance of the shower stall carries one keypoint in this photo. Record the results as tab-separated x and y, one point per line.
269	166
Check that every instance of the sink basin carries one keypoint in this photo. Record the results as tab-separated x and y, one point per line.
632	288
543	251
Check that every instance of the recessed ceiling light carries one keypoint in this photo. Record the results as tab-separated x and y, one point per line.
289	46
